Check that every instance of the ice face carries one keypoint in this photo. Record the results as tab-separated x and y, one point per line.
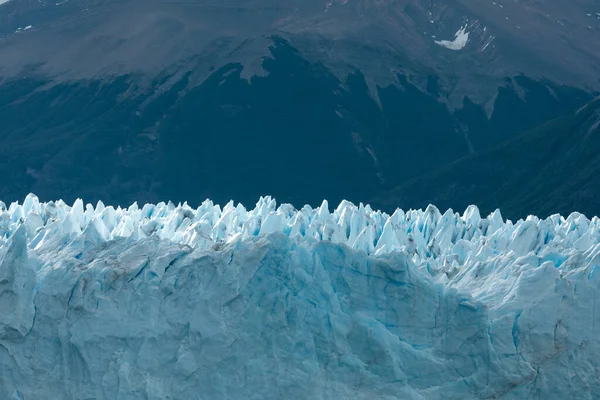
168	301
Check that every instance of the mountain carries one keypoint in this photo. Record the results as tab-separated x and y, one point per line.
551	169
139	101
86	37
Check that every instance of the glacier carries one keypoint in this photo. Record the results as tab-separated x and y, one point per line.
168	301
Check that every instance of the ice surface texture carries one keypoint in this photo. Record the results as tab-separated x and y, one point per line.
170	302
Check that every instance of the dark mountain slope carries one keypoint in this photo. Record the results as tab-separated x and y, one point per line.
298	133
142	100
554	168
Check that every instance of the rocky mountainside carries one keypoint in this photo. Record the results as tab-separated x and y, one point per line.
454	39
128	100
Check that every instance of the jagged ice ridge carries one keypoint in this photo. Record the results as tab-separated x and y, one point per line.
168	301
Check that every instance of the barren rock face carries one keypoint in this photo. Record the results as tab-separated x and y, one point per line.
547	39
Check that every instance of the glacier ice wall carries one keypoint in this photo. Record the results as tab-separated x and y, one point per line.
171	302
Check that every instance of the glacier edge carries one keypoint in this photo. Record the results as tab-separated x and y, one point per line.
168	301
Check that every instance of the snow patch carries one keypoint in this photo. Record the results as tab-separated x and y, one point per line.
28	27
461	38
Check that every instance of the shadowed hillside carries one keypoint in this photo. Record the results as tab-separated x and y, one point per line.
298	133
551	169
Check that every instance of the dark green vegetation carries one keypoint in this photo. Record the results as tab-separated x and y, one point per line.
299	134
554	168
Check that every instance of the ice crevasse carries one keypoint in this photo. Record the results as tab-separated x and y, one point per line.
172	302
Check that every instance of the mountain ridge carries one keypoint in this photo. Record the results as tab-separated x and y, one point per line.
116	37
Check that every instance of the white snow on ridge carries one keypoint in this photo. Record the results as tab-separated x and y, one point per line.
461	38
167	301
